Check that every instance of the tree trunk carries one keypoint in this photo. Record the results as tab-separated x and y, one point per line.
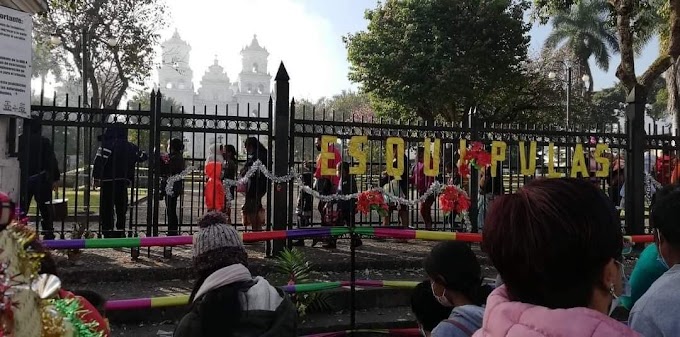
673	87
626	70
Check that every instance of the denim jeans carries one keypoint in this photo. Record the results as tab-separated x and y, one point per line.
483	203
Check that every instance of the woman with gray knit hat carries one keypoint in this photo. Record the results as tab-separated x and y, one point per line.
227	300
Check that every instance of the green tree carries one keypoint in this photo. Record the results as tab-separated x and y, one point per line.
438	57
634	21
584	32
120	35
141	101
44	62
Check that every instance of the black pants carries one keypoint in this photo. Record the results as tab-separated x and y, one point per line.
113	194
171	210
40	188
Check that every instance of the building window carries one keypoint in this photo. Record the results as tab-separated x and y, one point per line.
250	88
260	89
255	68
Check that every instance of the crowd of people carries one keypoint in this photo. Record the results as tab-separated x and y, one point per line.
556	245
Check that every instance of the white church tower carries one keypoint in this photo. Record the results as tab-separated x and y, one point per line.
250	93
254	81
175	75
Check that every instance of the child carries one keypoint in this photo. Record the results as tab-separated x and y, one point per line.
214	189
427	310
305	206
395	187
452	178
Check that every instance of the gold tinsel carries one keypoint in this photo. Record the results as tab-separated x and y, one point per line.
29	260
53	324
22	266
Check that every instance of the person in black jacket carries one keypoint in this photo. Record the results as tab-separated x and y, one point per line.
252	211
174	165
39	173
114	169
489	188
347	208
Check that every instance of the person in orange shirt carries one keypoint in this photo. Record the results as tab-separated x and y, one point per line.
326	184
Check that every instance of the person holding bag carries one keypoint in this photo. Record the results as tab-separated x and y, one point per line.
172	166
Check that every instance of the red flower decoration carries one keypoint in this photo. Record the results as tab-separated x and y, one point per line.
476	156
454	199
372	201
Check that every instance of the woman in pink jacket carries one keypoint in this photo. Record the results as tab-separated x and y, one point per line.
557	245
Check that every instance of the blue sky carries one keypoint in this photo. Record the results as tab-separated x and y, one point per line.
305	35
347	16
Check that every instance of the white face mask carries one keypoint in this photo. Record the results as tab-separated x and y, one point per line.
441	299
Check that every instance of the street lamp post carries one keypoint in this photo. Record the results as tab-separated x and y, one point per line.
585	78
84	65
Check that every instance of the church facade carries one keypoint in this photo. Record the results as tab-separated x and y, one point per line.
217	94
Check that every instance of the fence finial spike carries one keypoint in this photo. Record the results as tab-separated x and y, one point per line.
282	74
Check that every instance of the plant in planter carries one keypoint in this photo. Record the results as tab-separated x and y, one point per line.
293	264
79	232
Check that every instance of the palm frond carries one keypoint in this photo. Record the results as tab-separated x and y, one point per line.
556	38
294	265
601	53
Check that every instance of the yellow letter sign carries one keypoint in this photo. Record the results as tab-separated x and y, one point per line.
527	168
356	151
395	172
578	162
431	160
326	156
497	155
602	161
551	162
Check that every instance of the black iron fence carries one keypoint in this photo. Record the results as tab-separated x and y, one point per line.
289	132
75	132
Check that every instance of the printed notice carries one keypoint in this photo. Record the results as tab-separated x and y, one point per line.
15	62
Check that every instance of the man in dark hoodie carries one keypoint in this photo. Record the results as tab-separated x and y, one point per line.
39	173
227	301
114	169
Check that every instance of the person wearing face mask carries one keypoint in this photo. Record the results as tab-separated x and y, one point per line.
428	311
653	314
648	268
456	279
557	245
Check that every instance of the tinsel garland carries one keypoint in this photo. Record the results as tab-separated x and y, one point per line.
70	308
434	189
20	313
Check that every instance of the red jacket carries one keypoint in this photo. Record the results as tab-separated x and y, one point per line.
332	163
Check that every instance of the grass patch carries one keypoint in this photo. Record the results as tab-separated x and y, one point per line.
81	206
